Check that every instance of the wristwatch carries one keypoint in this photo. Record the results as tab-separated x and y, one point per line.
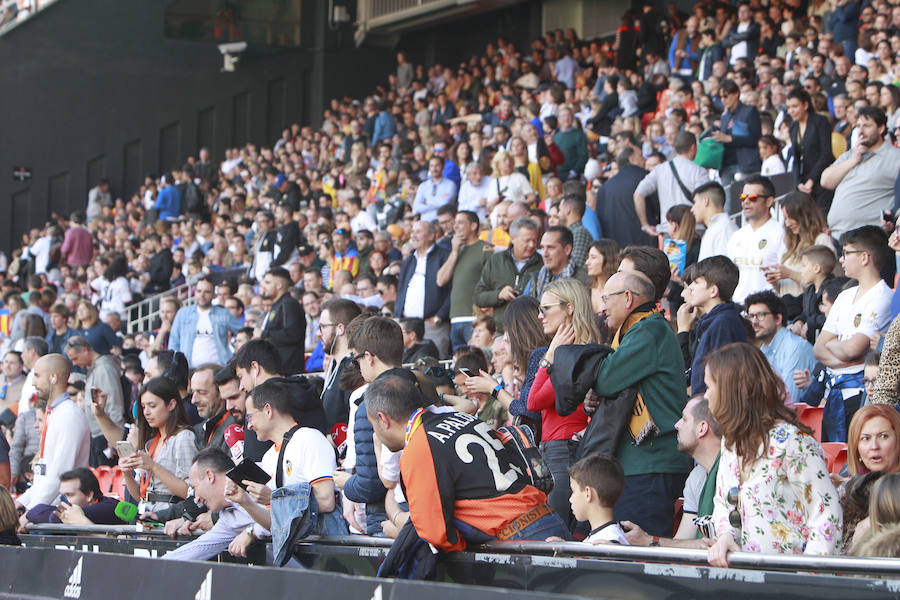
546	364
655	541
496	391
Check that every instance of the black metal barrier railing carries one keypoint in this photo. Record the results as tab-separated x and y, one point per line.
561	568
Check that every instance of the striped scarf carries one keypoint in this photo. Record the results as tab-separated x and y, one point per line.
641	424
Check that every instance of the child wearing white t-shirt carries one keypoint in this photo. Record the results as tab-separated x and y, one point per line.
857	315
597	482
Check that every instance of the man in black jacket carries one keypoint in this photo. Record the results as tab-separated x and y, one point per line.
285	325
739	133
287	237
615	202
743	38
161	265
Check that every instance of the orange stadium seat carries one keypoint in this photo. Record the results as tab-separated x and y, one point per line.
835	455
105	476
811	416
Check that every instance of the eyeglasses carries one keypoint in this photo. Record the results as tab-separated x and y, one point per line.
387	314
355	357
750	197
543	308
758	315
606	297
321	325
868	381
846	252
733	498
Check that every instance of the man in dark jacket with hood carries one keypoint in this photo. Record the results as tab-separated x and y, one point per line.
377	347
721	323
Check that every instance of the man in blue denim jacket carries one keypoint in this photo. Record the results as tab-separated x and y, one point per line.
201	331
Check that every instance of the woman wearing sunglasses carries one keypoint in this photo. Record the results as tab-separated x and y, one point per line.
567	315
773	492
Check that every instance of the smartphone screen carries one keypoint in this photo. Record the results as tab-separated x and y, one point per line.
467	372
63	499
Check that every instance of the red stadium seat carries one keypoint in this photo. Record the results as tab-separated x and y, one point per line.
835	455
104	475
117	484
811	416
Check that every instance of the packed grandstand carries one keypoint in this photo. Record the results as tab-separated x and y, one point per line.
635	291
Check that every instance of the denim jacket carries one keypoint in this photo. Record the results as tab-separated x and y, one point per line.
184	329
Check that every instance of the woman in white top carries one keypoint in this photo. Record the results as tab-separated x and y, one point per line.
804	227
115	295
510	184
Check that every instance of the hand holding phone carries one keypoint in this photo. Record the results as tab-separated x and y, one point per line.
125	449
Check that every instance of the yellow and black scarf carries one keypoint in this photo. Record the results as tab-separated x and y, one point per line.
641	424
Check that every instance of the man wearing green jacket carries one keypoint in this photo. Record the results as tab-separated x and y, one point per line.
506	273
647	356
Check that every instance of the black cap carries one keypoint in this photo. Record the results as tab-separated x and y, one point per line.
304	249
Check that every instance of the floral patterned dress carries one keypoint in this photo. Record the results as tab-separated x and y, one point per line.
788	504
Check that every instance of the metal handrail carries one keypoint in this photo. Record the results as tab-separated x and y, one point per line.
742	560
142	314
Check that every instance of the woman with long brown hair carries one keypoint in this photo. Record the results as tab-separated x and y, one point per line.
601	262
166	447
804	227
524	332
773	493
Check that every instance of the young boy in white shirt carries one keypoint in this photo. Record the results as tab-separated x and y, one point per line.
597	482
857	314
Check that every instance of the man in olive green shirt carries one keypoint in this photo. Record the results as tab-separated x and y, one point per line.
647	357
463	267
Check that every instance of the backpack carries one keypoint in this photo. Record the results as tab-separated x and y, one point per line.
521	438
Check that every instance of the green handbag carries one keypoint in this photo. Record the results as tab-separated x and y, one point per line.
709	154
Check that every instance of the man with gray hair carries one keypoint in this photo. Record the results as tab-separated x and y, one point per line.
102	378
648	360
506	273
418	293
673	181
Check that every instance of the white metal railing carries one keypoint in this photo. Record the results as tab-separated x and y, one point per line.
142	315
372	14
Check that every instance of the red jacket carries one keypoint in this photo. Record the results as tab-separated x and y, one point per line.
542	398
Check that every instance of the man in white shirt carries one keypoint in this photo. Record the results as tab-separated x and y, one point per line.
856	315
360	220
307	457
66	439
474	192
709	210
201	331
759	243
673	181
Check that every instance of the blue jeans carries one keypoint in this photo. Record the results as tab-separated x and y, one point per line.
540	530
559	456
840	408
460	334
649	501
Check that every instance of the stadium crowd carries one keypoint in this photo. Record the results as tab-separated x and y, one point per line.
554	222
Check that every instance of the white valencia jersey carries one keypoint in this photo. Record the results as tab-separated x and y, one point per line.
751	250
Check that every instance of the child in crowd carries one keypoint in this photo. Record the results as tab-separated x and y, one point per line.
597	482
772	162
816	266
870	374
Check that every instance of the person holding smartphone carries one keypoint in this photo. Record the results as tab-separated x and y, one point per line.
157	473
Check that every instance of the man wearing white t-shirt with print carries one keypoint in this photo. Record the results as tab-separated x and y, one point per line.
857	314
759	243
308	457
201	332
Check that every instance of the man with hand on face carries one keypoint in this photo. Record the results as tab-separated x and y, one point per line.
84	503
285	324
300	454
863	177
462	270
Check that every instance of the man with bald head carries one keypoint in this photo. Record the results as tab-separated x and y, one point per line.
648	359
66	439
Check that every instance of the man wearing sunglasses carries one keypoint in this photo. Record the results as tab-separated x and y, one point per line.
760	242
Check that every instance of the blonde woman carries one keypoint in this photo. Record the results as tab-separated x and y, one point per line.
510	184
567	315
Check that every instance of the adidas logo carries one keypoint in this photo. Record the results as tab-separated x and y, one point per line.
205	591
73	588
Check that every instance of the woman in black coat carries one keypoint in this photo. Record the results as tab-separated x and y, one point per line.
811	146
